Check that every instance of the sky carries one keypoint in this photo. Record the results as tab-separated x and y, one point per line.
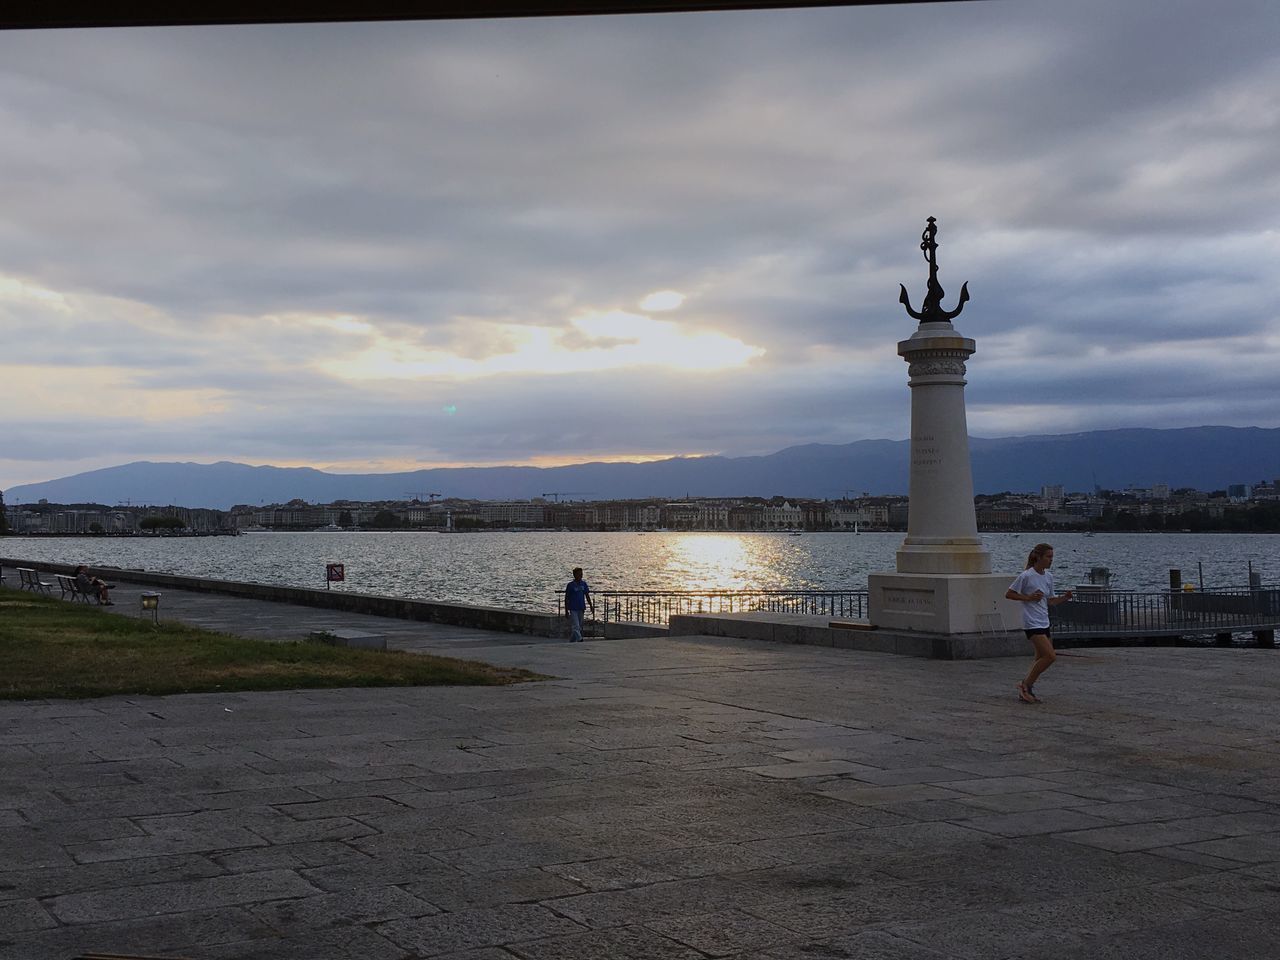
377	247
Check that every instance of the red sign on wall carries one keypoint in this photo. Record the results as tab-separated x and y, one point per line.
334	573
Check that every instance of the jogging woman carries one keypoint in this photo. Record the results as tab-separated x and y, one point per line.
1033	588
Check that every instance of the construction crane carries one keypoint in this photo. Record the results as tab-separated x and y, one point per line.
849	491
557	494
421	495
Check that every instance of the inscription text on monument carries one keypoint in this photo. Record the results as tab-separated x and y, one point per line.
925	452
900	600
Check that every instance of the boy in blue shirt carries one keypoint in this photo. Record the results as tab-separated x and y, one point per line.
577	597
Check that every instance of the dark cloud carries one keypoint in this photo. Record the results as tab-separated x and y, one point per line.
207	201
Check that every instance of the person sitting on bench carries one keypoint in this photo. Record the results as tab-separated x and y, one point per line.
90	585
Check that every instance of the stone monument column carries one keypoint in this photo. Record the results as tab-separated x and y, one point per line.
942	529
943	587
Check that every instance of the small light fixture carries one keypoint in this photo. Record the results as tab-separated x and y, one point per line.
151	601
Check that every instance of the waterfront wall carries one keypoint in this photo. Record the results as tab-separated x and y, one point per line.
458	614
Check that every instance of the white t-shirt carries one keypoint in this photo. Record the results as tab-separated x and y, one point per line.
1035	615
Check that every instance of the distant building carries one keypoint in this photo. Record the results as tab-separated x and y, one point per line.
898	514
573	516
295	515
518	513
846	515
681	516
815	515
1088	507
1238	492
1059	518
424	515
713	515
998	517
782	516
746	516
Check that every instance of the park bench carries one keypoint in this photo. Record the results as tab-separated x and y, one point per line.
71	586
30	580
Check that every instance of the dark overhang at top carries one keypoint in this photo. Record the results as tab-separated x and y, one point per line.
47	14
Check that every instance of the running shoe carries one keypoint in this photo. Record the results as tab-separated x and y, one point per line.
1025	694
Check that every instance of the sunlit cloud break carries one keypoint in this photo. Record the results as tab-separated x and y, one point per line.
15	290
661	300
594	342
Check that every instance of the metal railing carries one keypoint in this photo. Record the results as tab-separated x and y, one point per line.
1123	613
1093	613
658	606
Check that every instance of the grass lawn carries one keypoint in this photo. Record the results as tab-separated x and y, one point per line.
54	649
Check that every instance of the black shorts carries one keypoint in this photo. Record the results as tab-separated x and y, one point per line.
1038	632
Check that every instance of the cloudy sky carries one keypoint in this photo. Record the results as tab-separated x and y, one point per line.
370	247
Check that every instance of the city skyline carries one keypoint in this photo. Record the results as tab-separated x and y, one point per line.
379	247
1242	508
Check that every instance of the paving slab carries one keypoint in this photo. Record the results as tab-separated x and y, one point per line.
1029	823
484	927
681	797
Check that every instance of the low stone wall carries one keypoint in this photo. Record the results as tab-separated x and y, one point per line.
458	614
844	635
627	630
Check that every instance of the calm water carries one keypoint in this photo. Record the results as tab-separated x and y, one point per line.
525	570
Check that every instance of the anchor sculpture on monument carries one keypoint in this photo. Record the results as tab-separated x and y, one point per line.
931	310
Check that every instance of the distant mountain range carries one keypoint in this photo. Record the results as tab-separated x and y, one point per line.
1206	458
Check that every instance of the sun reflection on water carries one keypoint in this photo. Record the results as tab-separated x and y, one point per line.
700	561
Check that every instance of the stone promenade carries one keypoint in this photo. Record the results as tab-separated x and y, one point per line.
662	799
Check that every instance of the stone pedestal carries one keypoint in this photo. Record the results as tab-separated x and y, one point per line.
943	583
966	605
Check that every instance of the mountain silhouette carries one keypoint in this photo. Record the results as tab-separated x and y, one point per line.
1205	458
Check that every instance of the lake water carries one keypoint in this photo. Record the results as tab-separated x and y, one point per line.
525	570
